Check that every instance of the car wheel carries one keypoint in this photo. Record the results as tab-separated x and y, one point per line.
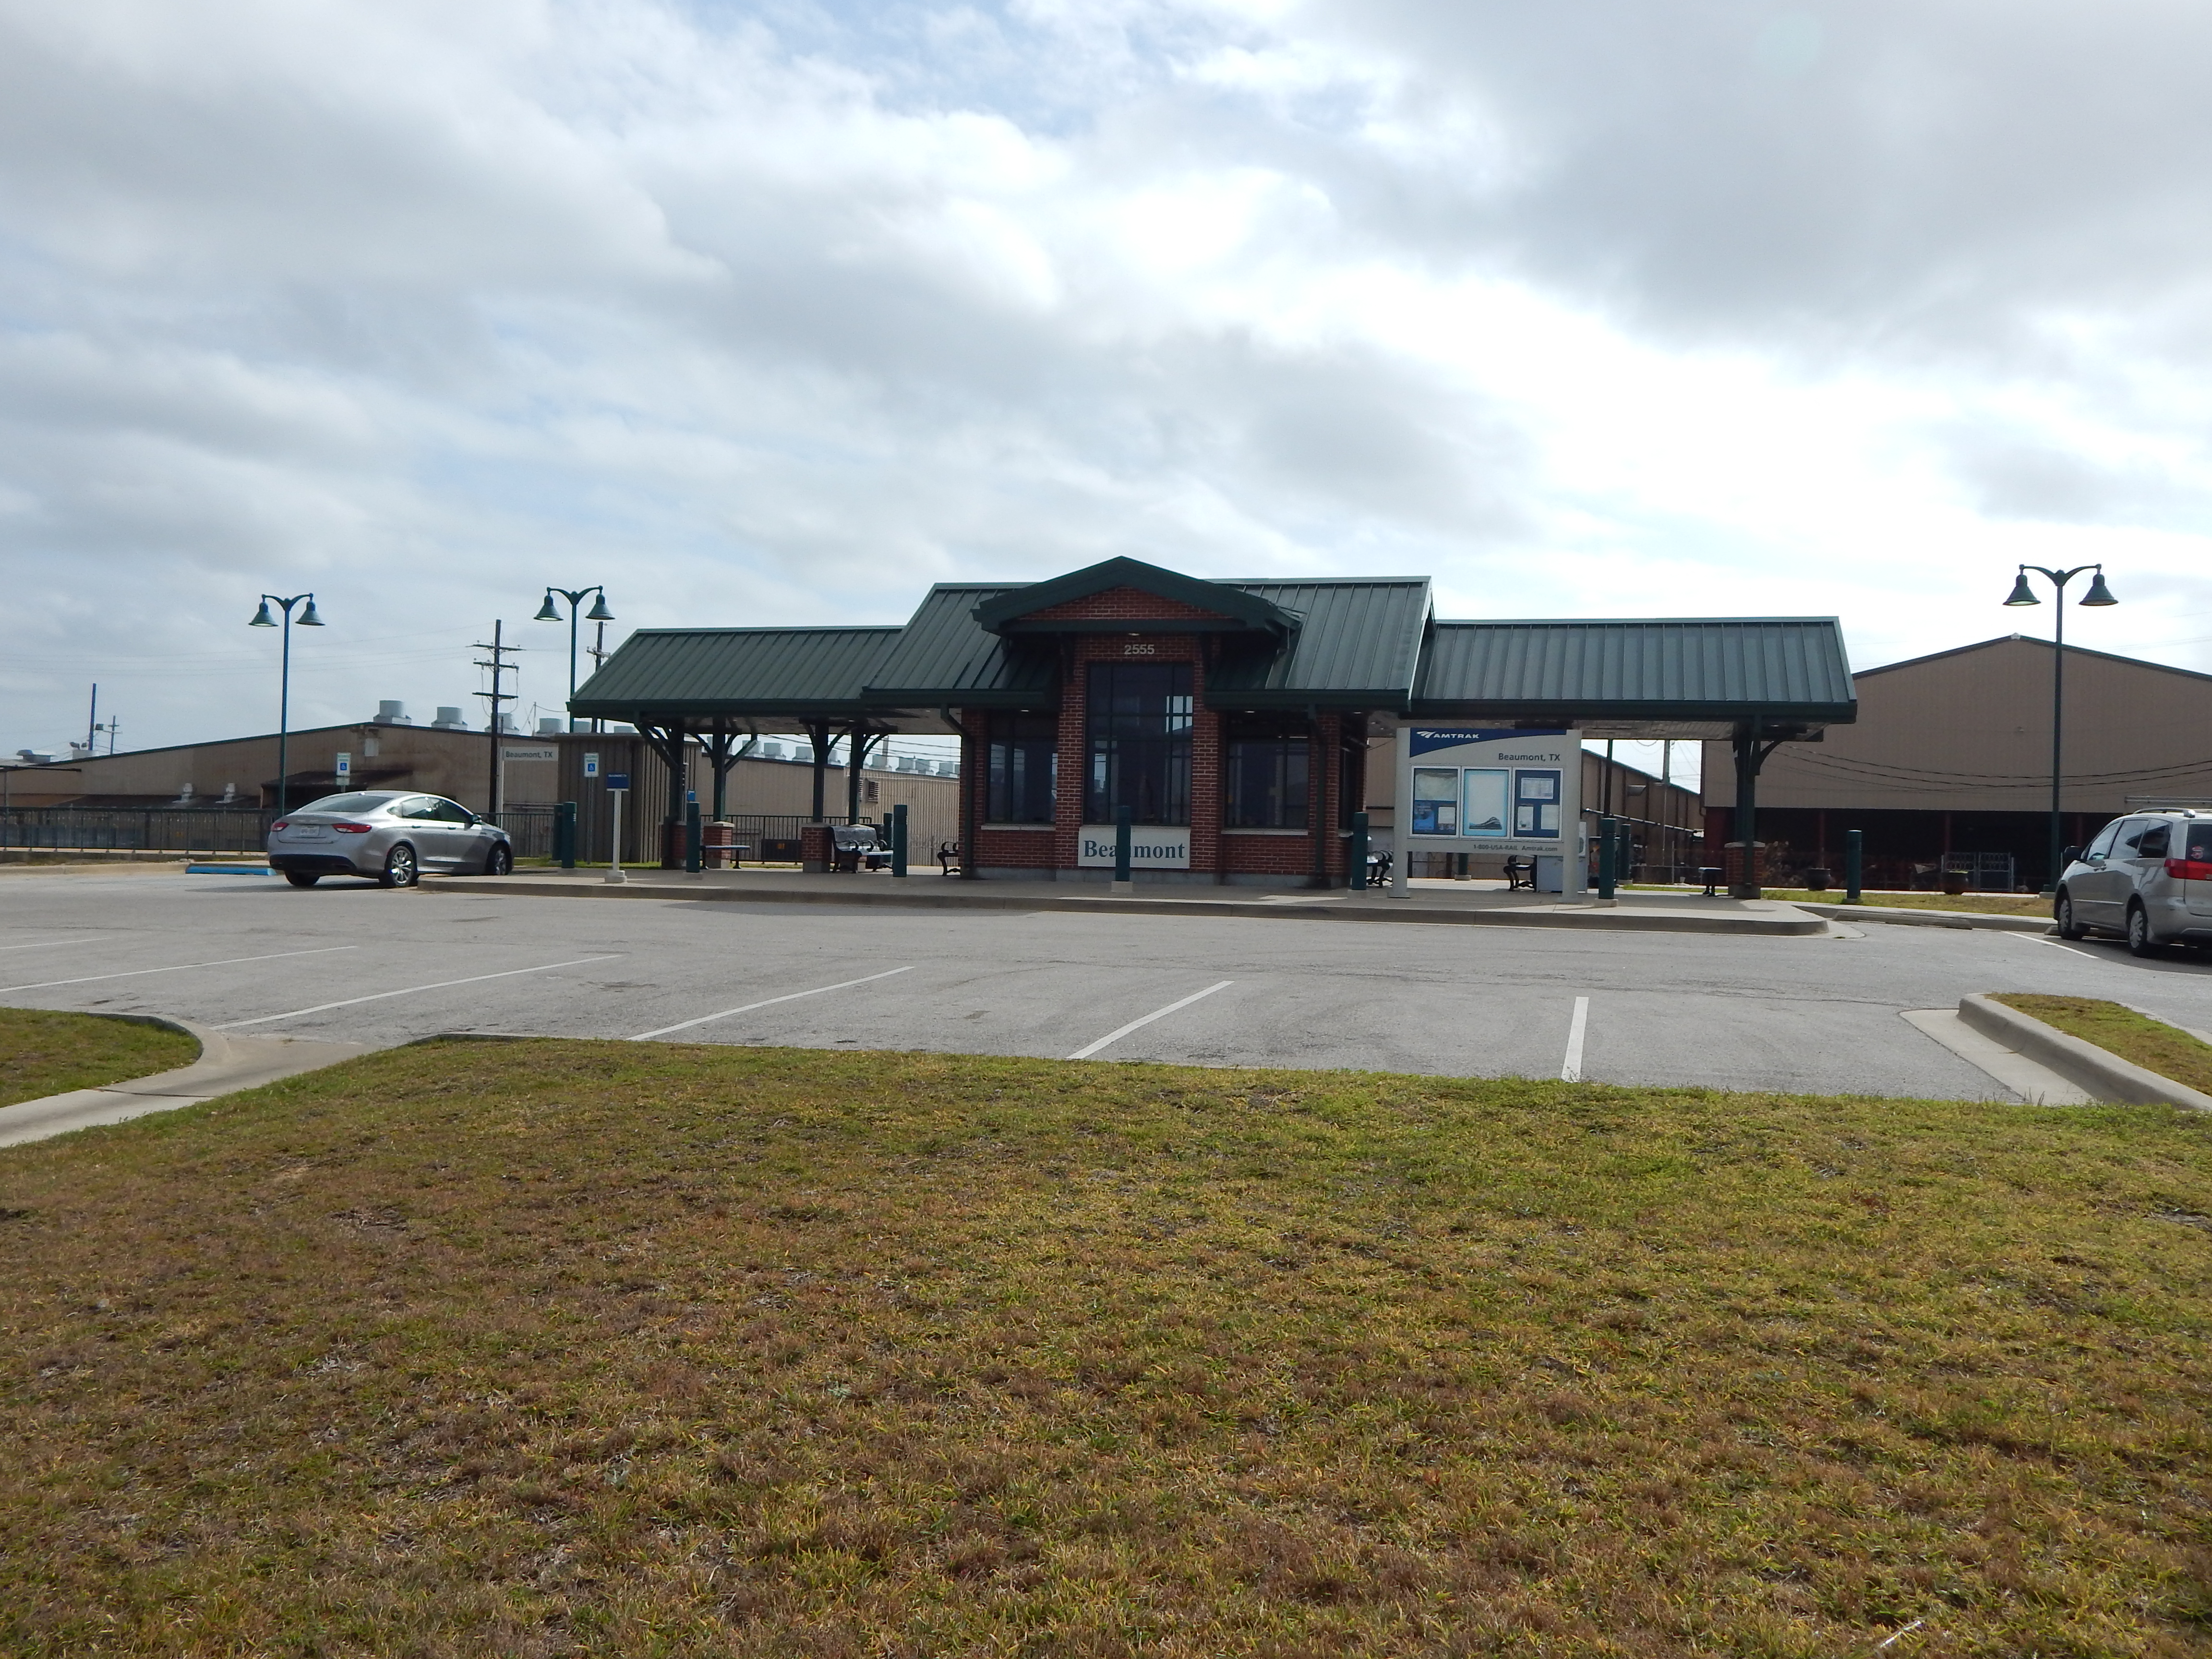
301	877
400	869
2140	942
499	861
2063	912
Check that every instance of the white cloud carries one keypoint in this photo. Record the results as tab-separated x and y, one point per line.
776	313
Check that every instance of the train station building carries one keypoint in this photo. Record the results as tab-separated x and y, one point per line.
1242	724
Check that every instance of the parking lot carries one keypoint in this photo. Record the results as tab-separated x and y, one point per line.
361	964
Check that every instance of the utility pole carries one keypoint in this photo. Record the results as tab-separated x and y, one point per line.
500	651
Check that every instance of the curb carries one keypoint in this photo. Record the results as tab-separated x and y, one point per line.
1781	925
226	1065
2098	1071
1897	918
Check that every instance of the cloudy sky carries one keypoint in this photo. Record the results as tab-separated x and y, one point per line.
765	313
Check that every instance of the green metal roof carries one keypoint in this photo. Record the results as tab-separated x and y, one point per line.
1789	670
1357	644
944	656
746	673
1013	610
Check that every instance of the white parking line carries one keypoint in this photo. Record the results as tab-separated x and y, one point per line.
746	1008
45	945
221	962
1119	1032
410	990
1572	1072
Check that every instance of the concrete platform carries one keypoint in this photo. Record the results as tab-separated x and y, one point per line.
1437	903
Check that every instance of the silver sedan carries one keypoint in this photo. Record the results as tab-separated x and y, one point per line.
388	835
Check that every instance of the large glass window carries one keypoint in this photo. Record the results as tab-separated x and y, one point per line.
1138	719
1265	774
1024	768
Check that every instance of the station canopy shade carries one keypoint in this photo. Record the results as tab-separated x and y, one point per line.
1371	644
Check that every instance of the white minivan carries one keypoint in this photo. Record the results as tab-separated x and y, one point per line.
2147	877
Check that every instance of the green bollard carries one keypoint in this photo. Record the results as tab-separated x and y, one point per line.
898	840
1356	875
1852	849
1607	835
564	834
1122	816
692	846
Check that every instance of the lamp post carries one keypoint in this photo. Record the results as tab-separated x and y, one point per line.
262	619
2022	593
551	612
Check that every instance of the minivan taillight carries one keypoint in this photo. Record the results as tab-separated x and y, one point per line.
2189	869
352	828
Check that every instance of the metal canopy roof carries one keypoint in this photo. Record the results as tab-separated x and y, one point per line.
1675	678
1355	645
742	674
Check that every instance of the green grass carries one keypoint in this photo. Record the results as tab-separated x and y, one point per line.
2150	1043
609	1348
48	1054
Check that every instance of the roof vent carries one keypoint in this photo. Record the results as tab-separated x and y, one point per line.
449	720
549	726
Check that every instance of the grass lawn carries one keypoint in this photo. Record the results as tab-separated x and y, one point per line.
616	1348
2150	1043
46	1053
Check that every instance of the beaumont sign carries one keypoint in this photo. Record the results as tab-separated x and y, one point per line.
1152	846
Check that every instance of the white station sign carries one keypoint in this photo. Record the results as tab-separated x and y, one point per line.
1152	846
1479	789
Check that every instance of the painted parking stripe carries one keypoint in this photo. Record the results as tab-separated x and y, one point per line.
411	990
1571	1070
222	962
793	996
45	945
1116	1035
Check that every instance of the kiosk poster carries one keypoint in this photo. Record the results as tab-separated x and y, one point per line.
1473	789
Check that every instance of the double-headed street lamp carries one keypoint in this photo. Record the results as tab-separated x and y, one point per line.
551	612
2022	593
262	619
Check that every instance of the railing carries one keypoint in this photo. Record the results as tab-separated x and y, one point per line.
133	828
529	829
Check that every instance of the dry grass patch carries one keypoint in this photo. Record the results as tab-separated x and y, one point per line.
1981	904
613	1348
47	1053
2150	1043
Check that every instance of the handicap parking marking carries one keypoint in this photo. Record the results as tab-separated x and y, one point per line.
136	973
1119	1032
410	990
768	1002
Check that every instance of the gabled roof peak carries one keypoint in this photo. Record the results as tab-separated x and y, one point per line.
1017	610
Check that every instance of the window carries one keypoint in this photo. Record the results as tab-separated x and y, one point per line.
1138	718
2200	842
1024	768
2154	841
1265	776
2103	844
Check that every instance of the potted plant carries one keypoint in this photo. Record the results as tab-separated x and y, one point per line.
1819	879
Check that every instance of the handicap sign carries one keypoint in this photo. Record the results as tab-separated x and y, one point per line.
344	768
617	780
591	765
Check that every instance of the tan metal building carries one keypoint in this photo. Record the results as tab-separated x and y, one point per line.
1949	762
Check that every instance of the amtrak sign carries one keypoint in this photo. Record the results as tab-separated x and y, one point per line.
1498	793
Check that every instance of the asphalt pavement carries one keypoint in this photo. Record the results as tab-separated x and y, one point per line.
355	963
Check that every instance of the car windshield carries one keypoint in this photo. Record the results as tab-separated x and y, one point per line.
344	803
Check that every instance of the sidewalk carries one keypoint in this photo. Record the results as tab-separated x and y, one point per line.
1433	902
